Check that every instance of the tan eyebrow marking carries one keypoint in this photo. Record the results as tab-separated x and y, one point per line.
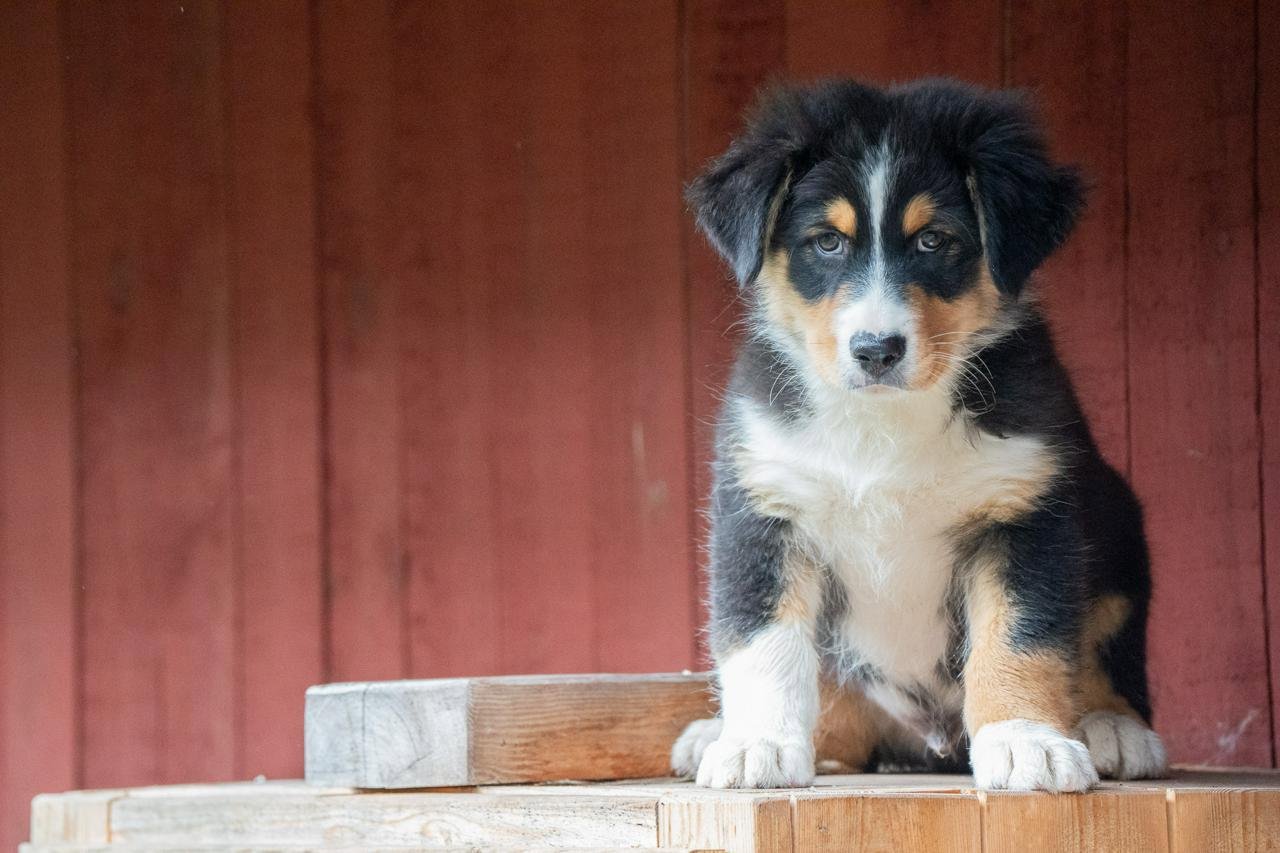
917	214
842	217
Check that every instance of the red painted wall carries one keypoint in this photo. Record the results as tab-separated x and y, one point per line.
359	340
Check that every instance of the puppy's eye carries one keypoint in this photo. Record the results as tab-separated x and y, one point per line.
829	243
930	240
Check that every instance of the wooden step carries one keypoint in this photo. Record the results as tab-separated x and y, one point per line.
476	731
1196	810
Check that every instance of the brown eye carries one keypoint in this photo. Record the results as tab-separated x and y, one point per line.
829	243
930	240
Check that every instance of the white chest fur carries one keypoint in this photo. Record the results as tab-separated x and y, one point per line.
873	489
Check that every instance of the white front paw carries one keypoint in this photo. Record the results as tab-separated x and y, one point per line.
1021	755
733	762
1121	746
687	752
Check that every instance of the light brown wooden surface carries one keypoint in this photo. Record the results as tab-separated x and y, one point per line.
1194	811
888	823
1104	820
409	734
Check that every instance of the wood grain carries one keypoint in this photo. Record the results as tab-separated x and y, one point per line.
355	151
498	730
279	587
744	822
1217	821
1192	375
1072	56
1210	811
150	273
888	824
731	49
389	820
1101	820
73	818
1268	178
889	40
37	424
581	728
544	477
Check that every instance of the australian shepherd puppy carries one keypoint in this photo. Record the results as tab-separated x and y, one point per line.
917	553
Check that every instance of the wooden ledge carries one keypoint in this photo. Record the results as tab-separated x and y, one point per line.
480	731
1198	809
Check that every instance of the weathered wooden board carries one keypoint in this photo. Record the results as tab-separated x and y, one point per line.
275	343
460	731
38	487
1108	819
1268	196
946	823
1193	376
1070	53
1224	810
150	270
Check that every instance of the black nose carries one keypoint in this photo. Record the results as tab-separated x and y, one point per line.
875	355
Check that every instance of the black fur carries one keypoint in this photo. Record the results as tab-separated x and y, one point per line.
1003	203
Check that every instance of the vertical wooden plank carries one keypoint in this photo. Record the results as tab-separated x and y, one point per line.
275	306
736	823
641	596
456	250
37	431
150	276
1193	373
355	151
73	818
1223	820
544	449
891	40
731	49
1268	195
1071	55
942	823
542	470
1100	820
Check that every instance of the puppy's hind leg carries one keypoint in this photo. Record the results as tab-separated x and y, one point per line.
1121	743
686	755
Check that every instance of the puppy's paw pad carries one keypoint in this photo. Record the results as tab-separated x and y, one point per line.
687	752
1122	747
1021	755
756	763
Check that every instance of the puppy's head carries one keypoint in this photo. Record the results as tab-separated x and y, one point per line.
883	236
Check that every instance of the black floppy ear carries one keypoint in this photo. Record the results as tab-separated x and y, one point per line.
736	200
1027	203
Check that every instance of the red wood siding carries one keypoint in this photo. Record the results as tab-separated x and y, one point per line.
351	340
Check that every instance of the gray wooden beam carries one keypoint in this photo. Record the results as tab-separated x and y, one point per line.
475	731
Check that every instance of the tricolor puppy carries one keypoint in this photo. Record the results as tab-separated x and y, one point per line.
917	551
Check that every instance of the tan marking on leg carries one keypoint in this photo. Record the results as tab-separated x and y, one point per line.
813	323
1002	683
801	591
918	213
1096	692
1020	494
842	217
849	727
944	327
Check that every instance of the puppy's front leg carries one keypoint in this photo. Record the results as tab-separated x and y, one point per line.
765	599
769	699
1020	687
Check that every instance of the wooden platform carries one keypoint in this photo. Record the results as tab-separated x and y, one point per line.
1198	810
501	730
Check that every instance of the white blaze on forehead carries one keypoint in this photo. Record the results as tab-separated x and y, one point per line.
875	310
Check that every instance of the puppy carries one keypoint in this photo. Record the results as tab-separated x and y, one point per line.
917	551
